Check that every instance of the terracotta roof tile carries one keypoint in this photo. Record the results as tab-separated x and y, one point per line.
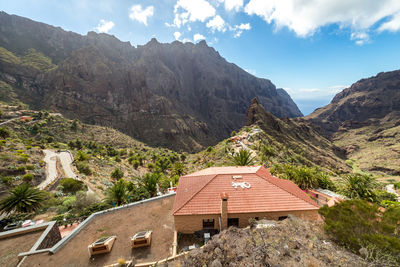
200	194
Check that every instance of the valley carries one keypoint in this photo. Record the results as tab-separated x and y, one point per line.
92	127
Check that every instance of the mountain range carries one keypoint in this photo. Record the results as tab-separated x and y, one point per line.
183	96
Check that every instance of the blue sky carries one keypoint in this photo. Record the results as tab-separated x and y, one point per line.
311	48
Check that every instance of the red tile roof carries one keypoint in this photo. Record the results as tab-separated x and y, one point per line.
200	192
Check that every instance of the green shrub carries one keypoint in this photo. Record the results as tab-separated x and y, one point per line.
7	180
81	156
71	185
95	208
83	168
27	178
381	195
30	167
117	174
233	133
59	218
358	224
4	133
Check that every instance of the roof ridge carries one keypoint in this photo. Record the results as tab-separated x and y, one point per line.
198	191
268	179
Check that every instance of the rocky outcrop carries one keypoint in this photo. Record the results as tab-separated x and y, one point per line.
182	96
292	242
298	137
368	101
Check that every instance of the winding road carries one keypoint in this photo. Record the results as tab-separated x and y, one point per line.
50	158
66	159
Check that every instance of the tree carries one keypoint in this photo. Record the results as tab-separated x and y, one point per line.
22	199
305	178
117	174
118	193
359	186
178	168
242	158
150	181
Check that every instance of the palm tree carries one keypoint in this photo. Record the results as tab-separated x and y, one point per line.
22	199
359	186
305	178
150	181
178	168
242	158
118	193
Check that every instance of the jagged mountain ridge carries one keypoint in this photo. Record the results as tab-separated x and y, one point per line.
298	137
368	101
182	96
364	120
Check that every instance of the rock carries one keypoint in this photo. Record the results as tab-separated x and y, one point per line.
183	96
286	250
363	252
365	102
216	263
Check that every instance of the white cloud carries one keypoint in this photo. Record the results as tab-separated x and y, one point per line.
104	26
198	37
177	35
306	17
235	5
393	25
140	14
238	29
192	10
360	37
217	24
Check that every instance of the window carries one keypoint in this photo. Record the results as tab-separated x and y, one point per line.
281	218
256	218
233	222
208	223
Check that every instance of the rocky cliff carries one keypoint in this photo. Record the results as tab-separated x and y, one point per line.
183	96
298	138
368	101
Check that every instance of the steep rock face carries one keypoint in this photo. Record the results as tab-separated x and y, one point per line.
366	102
298	136
183	96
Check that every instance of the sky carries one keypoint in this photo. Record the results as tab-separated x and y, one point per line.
311	48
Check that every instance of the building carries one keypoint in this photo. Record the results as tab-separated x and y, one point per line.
325	197
16	244
219	197
119	224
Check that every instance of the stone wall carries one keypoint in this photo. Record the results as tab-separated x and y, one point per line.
188	224
51	238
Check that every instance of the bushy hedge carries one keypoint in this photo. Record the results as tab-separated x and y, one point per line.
358	224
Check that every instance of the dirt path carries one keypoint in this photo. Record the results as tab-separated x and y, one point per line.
5	122
51	170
